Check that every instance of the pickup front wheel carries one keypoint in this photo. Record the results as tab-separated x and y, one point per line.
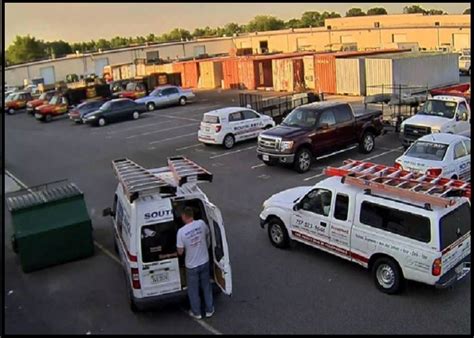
303	160
277	233
367	143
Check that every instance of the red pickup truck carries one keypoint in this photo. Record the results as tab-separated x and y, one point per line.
58	105
318	129
43	99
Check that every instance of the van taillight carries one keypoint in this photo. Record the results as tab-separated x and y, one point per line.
436	268
218	128
135	278
434	172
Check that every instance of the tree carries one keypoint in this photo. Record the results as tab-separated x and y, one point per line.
436	12
329	15
58	48
377	11
177	34
103	44
467	11
413	9
311	19
232	28
25	49
264	23
293	23
355	12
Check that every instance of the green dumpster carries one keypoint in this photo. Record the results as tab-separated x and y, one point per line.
51	225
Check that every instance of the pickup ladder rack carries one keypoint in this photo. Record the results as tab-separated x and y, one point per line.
422	188
137	180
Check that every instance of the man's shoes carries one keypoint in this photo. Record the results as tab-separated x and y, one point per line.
195	316
209	314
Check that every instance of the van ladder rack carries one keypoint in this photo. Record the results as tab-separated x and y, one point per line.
137	180
186	171
402	183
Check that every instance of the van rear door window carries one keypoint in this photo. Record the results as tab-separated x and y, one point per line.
454	225
210	119
158	241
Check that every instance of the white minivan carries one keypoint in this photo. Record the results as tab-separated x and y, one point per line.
146	217
227	126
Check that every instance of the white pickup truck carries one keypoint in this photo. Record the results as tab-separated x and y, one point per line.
440	114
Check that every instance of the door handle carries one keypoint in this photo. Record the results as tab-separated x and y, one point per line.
323	224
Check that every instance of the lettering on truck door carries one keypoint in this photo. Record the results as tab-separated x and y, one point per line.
237	125
311	222
253	124
341	225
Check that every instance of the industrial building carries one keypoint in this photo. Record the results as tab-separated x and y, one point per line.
416	31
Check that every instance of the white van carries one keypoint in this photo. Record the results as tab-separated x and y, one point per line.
146	217
227	126
398	224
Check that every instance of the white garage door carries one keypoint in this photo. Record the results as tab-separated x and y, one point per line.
47	73
399	38
99	65
461	41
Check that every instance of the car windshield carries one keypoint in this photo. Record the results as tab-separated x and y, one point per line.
439	108
130	86
89	105
55	100
300	118
428	150
155	92
13	97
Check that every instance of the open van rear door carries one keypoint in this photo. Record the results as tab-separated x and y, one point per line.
220	250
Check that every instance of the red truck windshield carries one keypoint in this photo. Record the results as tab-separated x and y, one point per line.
301	118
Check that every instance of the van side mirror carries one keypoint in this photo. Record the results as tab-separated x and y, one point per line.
296	207
107	212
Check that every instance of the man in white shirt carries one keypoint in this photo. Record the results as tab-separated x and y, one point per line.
193	240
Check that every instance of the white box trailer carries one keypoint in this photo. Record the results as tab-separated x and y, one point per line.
428	70
350	76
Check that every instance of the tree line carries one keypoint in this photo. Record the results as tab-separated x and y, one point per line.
28	48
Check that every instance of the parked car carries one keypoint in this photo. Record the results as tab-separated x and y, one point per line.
145	229
445	155
395	232
17	101
44	98
133	90
227	126
113	111
77	113
166	96
57	106
314	130
465	64
440	114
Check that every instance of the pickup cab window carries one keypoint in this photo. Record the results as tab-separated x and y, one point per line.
439	108
327	117
342	207
342	114
302	118
462	108
317	201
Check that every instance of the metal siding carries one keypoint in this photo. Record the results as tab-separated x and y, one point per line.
47	73
350	76
309	72
246	74
377	72
99	65
210	74
230	73
325	73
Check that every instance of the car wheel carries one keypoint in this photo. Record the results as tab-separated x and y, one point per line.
367	143
277	233
135	115
150	106
387	275
48	118
11	111
182	101
101	122
229	141
303	160
454	177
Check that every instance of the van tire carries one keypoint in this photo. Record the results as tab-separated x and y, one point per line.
229	141
150	106
367	143
387	275
277	233
303	160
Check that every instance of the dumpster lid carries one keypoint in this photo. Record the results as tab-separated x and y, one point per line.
42	194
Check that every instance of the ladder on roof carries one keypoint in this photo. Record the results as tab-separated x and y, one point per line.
423	188
137	180
186	171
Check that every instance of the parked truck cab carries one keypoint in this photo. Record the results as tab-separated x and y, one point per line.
146	217
440	114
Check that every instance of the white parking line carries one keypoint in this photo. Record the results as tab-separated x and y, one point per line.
232	152
336	152
203	324
191	146
365	159
172	138
160	130
138	127
258	166
180	118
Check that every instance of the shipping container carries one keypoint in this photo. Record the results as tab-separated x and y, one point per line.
230	73
350	76
410	72
309	80
325	67
247	72
189	73
288	74
210	74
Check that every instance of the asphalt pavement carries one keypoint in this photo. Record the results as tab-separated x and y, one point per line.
300	290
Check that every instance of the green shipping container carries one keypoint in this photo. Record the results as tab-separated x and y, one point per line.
51	225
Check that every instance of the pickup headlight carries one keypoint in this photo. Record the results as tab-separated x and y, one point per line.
286	145
402	127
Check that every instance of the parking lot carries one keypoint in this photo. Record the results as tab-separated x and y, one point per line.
300	290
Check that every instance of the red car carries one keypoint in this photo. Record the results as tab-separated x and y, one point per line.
133	90
43	99
57	106
16	101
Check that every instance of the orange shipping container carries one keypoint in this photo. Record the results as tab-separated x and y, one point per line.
325	67
189	73
210	74
288	74
230	74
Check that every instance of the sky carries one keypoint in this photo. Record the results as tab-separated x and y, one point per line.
74	22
